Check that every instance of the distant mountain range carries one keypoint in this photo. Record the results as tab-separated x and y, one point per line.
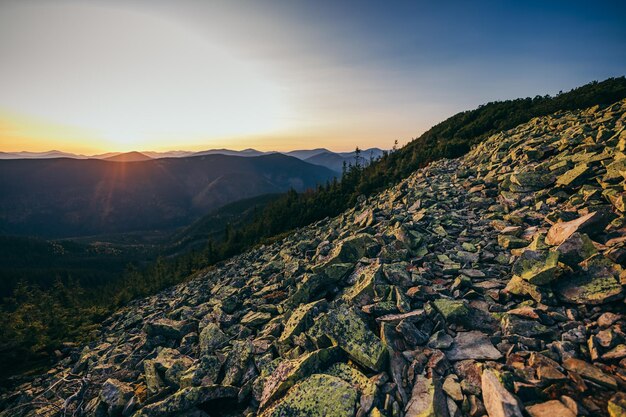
319	156
53	196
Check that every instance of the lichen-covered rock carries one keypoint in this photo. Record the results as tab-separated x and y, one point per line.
211	338
617	405
575	249
168	328
165	370
498	401
348	331
255	318
453	311
317	396
538	268
597	283
362	292
302	318
574	176
115	395
290	371
186	399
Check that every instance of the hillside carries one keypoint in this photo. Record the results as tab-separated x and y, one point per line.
214	225
490	284
71	197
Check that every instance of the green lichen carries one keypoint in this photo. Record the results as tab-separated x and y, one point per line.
348	331
291	371
317	396
300	319
453	311
538	268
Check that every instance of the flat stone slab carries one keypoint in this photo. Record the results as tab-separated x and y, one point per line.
472	345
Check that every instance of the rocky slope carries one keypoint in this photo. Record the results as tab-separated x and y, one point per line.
488	285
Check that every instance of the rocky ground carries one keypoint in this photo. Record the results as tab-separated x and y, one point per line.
488	285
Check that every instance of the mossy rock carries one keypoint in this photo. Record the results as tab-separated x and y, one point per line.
317	396
352	376
518	286
453	311
347	330
575	249
288	372
537	267
362	292
301	319
211	338
187	398
574	176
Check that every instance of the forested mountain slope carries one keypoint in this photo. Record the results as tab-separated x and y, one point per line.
66	197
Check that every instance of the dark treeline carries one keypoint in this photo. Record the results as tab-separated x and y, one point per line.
37	320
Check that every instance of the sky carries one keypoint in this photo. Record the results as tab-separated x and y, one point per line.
98	76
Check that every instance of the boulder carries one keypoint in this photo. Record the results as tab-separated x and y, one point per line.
592	223
575	249
574	176
362	292
590	372
538	268
498	401
317	396
167	328
427	399
551	408
289	372
115	395
472	345
255	318
211	338
302	318
347	330
597	283
186	399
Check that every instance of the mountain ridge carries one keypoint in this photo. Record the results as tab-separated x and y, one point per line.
134	156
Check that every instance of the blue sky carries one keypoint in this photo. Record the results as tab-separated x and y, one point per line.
156	75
